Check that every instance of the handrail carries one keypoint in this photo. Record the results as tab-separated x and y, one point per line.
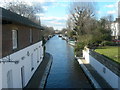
8	59
16	62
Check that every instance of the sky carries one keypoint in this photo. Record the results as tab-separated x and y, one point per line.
55	12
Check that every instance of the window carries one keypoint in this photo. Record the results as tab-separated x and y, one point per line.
14	39
30	35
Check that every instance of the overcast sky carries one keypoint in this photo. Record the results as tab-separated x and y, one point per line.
56	11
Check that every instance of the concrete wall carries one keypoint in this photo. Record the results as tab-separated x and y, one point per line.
0	49
106	73
24	59
0	76
0	36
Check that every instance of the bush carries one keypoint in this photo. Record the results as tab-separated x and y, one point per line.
93	44
80	45
78	53
107	43
78	48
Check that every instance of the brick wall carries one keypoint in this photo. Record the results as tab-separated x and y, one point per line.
23	37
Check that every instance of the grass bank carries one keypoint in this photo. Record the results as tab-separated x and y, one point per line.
111	52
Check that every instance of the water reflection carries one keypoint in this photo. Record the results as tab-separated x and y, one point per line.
65	71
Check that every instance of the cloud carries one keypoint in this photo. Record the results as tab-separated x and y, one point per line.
45	8
60	4
111	12
53	18
110	6
1	4
41	1
56	22
75	0
31	1
98	12
40	14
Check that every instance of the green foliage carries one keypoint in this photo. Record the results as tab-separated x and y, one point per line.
105	34
107	43
78	48
80	45
78	53
90	31
110	52
72	33
93	44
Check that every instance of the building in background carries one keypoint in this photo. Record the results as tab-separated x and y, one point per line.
115	27
21	49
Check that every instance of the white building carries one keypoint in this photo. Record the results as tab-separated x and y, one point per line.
115	27
17	69
21	50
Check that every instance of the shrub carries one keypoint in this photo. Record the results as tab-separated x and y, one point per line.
93	44
107	43
78	48
80	45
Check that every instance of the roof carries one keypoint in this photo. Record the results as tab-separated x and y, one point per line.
10	16
118	19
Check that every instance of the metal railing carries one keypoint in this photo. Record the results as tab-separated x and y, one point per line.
7	59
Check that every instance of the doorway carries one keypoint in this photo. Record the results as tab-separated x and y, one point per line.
23	76
10	79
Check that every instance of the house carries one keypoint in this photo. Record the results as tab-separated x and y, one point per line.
115	27
21	50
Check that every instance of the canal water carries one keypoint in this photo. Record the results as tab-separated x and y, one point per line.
65	71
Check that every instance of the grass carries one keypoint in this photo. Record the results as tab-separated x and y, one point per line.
110	52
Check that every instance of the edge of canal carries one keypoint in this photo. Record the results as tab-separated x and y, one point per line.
88	74
46	73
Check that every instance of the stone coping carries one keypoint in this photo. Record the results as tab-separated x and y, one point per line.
113	66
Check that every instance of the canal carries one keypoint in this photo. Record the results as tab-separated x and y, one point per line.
65	71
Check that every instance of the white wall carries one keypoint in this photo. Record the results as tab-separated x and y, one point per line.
36	50
108	75
115	29
86	55
0	76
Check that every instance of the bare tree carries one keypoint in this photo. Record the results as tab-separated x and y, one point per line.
48	31
82	14
69	24
90	31
23	9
